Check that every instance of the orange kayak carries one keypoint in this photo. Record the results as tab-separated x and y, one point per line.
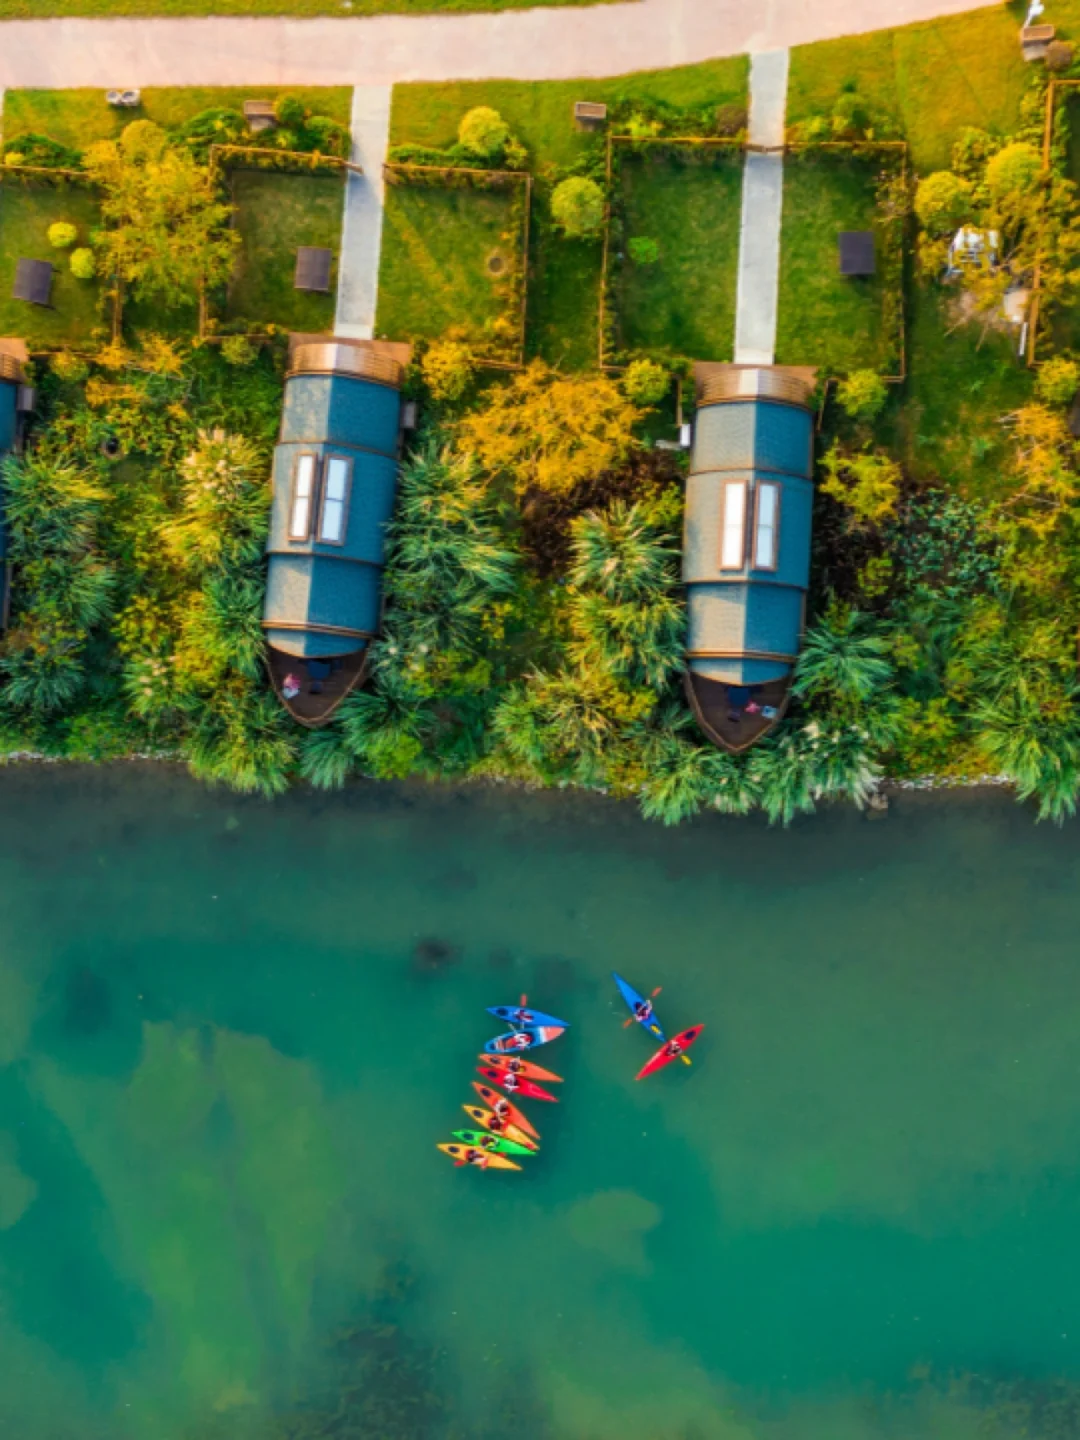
459	1154
524	1068
499	1103
485	1117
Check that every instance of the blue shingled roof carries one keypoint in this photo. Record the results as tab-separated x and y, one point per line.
326	599
745	624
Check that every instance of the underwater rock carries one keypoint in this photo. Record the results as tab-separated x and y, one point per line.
87	1003
432	956
614	1223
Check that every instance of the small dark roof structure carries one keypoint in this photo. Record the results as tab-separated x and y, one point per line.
33	282
259	115
589	114
857	252
313	268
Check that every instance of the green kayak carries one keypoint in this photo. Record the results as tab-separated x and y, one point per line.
497	1144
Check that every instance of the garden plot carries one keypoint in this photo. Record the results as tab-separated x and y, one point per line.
837	322
275	214
451	265
26	212
676	295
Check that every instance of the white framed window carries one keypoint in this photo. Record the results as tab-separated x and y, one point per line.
766	524
733	525
303	494
335	500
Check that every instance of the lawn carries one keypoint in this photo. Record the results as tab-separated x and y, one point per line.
78	117
690	204
438	255
927	81
25	216
826	319
274	215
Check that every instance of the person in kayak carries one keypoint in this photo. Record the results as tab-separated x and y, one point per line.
643	1012
501	1109
489	1142
510	1082
520	1041
522	1017
475	1157
672	1048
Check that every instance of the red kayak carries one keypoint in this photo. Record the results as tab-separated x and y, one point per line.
670	1051
515	1085
504	1109
517	1066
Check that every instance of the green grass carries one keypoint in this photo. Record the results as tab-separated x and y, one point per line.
39	9
564	276
274	215
959	386
929	80
25	217
433	279
78	117
826	319
685	303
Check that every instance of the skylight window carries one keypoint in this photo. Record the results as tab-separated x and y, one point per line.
733	535
766	525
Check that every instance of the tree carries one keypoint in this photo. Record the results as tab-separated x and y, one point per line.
577	206
862	395
1013	172
943	201
1058	380
447	367
166	231
843	664
866	482
483	131
551	431
646	382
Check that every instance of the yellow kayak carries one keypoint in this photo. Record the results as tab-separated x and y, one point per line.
485	1117
480	1159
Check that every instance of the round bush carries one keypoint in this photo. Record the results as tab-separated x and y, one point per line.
289	112
645	382
327	136
72	368
83	264
447	368
1012	172
143	141
862	395
1058	380
238	350
62	235
483	131
942	202
731	120
578	206
643	250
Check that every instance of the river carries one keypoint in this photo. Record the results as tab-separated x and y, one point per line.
232	1031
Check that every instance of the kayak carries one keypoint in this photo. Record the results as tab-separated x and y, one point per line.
484	1117
522	1067
522	1018
457	1153
633	999
523	1039
502	1106
497	1144
685	1038
516	1086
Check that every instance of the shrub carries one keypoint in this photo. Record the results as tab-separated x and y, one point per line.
645	382
1059	55
849	117
483	131
1012	172
40	150
578	206
327	136
447	368
643	250
289	112
214	127
868	484
731	120
942	202
862	395
1058	380
83	265
66	366
62	234
238	350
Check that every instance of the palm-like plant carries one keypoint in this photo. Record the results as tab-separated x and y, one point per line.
563	726
228	623
843	663
621	554
683	778
44	668
782	779
225	512
641	640
1036	746
325	758
839	762
240	740
49	506
385	729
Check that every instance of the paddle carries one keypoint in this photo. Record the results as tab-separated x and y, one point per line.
633	1018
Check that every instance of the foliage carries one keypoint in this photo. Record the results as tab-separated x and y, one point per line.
577	206
62	234
483	132
239	351
82	263
551	431
643	250
41	152
646	382
225	504
241	741
943	201
1058	380
69	367
731	120
1012	172
862	395
447	367
166	230
844	663
865	481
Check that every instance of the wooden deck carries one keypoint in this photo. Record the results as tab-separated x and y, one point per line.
318	698
734	729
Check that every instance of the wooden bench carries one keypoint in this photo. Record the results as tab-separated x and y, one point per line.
589	115
259	115
1035	41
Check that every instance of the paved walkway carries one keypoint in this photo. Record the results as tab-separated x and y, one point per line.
762	206
361	236
541	44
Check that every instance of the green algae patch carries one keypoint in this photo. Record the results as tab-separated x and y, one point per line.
17	1190
614	1224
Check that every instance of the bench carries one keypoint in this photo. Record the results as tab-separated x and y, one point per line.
1035	41
259	115
589	115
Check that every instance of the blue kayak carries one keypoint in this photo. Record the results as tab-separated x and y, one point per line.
633	1000
523	1039
522	1017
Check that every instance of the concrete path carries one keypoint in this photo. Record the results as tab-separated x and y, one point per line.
539	44
361	234
762	206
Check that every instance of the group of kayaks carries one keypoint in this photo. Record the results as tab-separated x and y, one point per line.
505	1132
643	1011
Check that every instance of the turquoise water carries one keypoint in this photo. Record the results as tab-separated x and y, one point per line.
226	1055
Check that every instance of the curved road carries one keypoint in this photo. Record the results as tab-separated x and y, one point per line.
548	44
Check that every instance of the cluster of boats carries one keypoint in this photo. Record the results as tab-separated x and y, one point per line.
506	1133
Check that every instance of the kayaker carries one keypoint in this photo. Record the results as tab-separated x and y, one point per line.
476	1157
521	1041
501	1109
514	1066
673	1048
489	1142
522	1017
510	1082
496	1124
643	1012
